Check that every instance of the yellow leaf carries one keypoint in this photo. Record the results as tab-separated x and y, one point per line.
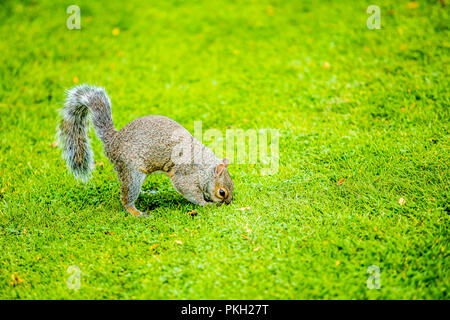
243	209
153	246
75	80
115	31
412	5
15	280
338	262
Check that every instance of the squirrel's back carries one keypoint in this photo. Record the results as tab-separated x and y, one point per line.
152	142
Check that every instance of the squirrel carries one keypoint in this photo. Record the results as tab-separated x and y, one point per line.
148	144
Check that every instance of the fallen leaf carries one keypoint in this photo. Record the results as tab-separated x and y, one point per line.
179	241
153	246
341	181
54	144
244	236
192	213
401	201
412	5
75	80
115	31
109	232
338	262
15	280
243	209
256	249
326	65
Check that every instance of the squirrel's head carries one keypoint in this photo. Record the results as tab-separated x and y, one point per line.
221	189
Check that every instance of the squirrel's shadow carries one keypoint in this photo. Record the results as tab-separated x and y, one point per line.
148	202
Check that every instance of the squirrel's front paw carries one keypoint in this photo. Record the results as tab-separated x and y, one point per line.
200	202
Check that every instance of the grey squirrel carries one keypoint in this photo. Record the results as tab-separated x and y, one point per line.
145	145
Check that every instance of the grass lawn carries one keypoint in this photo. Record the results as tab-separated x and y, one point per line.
363	117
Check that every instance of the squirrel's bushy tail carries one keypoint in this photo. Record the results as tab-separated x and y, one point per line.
73	128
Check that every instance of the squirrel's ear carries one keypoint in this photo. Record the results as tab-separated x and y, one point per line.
219	170
225	162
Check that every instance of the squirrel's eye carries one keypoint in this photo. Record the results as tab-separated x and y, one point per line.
222	193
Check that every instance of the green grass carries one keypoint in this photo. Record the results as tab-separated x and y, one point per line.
370	106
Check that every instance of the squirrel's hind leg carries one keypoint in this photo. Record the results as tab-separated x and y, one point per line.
132	181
